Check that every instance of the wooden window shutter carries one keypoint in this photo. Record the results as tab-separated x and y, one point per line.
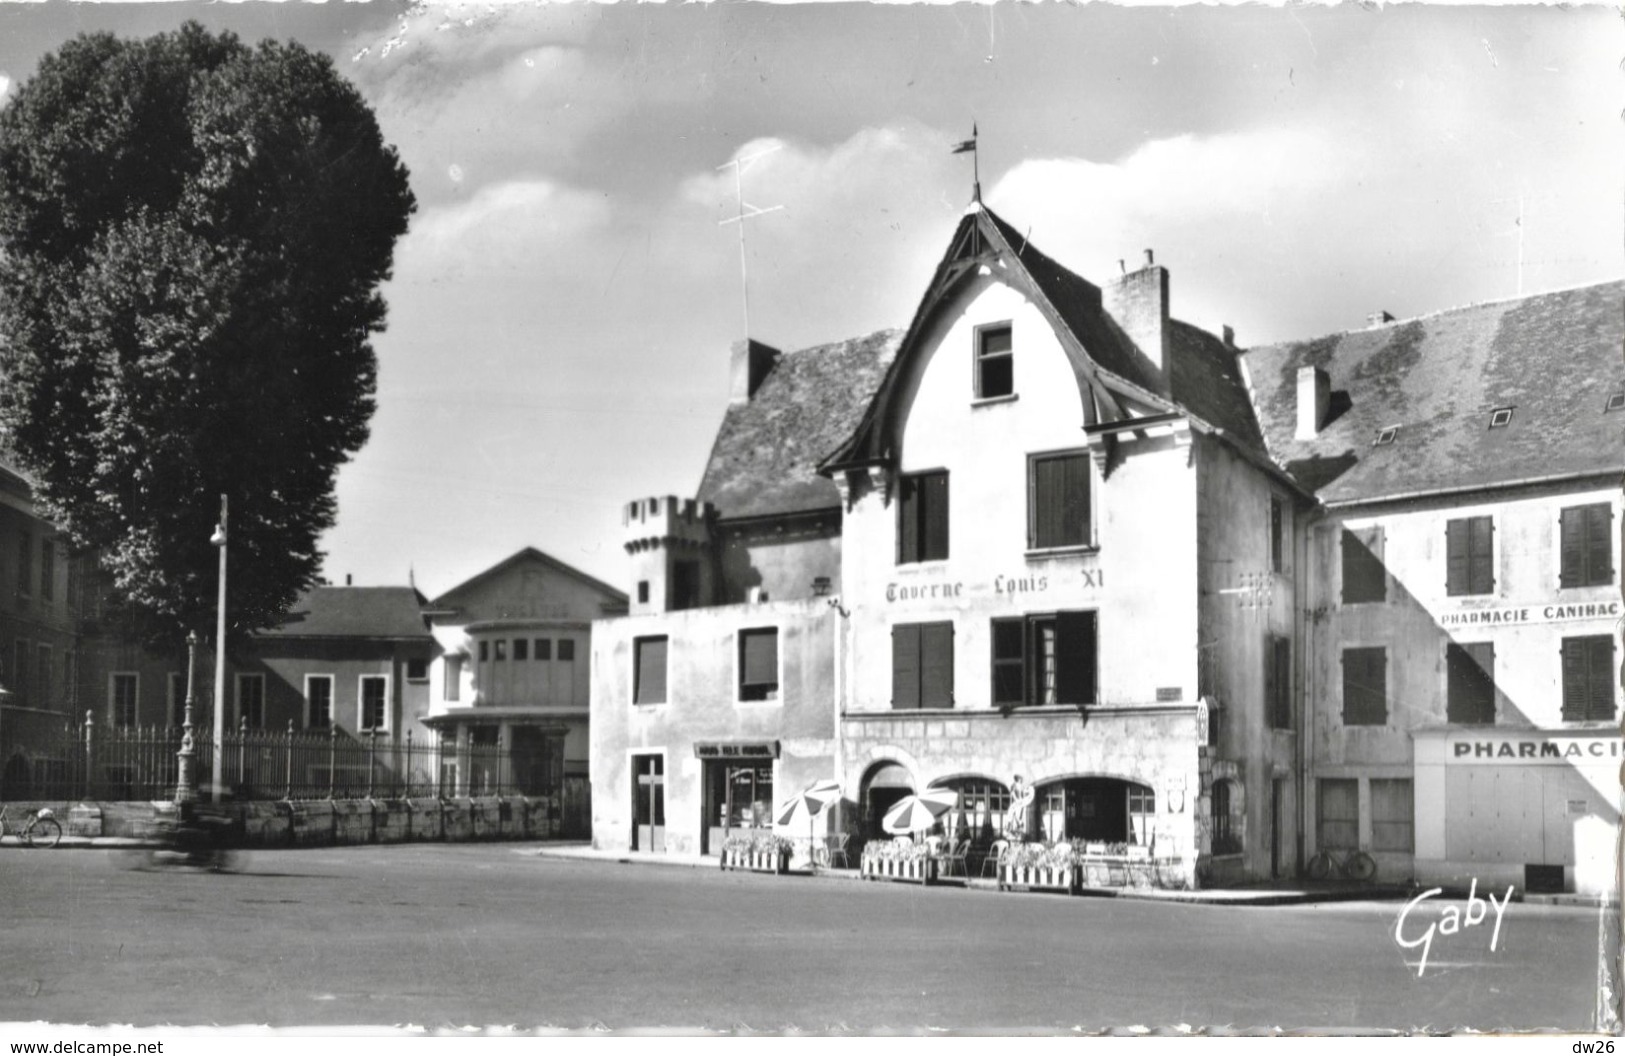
1575	677
1364	576
1456	557
1571	546
934	517
1600	544
1600	705
1270	688
908	521
651	673
1075	658
937	665
761	658
905	666
1481	555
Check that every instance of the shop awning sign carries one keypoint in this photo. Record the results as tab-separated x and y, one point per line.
736	749
1604	610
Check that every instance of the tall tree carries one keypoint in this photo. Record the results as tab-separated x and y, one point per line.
192	237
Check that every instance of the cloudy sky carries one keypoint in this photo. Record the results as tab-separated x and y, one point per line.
563	304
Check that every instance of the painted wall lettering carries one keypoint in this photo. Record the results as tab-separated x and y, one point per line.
1602	610
1578	749
917	591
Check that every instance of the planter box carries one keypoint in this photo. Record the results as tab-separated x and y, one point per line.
1120	870
920	871
772	862
1039	878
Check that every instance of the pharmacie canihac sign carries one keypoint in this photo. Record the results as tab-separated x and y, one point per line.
1563	751
1531	614
947	590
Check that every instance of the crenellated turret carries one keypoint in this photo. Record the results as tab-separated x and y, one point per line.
670	542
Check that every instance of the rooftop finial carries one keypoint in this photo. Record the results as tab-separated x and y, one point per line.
976	173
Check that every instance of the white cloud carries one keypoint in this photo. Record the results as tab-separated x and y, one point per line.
504	225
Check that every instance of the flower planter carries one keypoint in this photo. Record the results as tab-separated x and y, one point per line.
1039	878
917	871
765	862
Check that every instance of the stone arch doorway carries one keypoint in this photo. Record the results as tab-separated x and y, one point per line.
884	784
1095	810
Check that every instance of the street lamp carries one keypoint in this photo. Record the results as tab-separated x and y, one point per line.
185	782
216	772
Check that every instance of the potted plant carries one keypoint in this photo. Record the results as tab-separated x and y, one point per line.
757	850
1040	865
898	860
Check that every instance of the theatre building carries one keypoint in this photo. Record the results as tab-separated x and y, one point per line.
1463	621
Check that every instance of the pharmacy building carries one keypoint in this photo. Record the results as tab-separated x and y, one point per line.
1058	552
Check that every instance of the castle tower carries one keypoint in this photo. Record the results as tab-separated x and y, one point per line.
673	562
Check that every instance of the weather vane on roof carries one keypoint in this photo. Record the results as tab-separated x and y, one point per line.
975	165
745	212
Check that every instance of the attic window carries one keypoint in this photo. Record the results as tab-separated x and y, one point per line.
1386	436
1616	401
994	362
1501	417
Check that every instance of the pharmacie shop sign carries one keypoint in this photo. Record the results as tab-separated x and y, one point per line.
1536	749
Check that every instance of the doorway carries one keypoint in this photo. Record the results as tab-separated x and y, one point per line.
649	803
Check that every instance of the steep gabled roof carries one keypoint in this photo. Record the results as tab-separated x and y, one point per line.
1554	358
355	612
530	553
765	458
1204	377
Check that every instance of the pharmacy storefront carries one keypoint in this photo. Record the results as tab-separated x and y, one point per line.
1534	808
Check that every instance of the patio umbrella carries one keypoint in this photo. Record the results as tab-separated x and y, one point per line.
811	801
919	812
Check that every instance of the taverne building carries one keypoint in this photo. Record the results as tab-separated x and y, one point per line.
1233	606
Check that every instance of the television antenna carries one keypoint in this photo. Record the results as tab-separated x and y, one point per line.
745	211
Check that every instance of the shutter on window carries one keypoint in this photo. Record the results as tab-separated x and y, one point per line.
762	658
1270	688
1481	554
1047	502
937	665
908	521
651	671
905	666
1456	557
1599	545
1600	706
1571	546
935	517
1075	658
1008	664
1575	674
1283	682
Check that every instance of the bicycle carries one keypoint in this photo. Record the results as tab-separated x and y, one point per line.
1356	865
41	827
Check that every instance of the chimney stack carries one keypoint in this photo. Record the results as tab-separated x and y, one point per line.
1314	401
752	361
1139	303
1378	318
1229	336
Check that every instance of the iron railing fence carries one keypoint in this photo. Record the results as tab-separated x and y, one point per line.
87	760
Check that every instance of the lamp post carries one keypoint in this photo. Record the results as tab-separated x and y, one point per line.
185	782
216	772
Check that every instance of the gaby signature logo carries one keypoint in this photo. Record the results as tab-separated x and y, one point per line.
1451	921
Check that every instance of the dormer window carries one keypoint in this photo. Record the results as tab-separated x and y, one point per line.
1386	436
1616	401
1501	417
995	362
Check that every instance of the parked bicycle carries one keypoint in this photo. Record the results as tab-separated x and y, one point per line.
1356	865
39	828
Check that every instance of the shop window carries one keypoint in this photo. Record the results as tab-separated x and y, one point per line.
1365	686
251	700
1470	556
123	688
319	701
1470	682
922	665
1586	547
995	362
374	699
1364	577
1392	815
922	518
417	669
521	648
685	586
1588	678
544	649
740	796
1339	814
1226	831
1142	812
453	667
1277	534
1278	681
567	649
649	670
1044	659
759	664
1057	501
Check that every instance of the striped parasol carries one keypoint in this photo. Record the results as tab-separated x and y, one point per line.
920	812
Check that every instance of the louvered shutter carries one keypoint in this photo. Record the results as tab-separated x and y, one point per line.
937	665
1481	555
905	666
1009	665
1575	677
908	521
934	517
1077	499
1571	546
1600	680
761	658
651	674
1075	658
1456	557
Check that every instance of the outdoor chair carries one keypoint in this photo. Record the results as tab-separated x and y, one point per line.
836	849
995	855
955	859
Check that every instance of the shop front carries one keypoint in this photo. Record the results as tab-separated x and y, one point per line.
737	790
1533	808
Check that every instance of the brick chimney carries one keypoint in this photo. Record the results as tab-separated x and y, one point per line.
1139	303
751	364
1314	401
